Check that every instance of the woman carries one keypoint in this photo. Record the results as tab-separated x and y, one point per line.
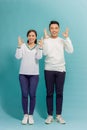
29	54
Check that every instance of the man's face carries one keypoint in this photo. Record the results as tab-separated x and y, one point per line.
54	30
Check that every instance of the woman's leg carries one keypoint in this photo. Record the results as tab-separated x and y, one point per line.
24	89
32	92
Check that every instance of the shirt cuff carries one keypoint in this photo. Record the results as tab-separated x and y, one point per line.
40	48
18	47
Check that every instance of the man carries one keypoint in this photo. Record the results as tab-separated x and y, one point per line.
53	49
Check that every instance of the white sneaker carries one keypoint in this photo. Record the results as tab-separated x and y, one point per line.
25	119
49	119
60	119
31	120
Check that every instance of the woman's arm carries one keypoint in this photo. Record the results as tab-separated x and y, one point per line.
19	51
39	49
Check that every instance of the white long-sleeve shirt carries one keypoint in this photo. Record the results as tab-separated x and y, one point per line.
29	59
53	49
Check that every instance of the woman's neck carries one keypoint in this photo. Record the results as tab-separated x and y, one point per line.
31	45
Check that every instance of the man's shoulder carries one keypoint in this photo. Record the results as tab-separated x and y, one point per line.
46	39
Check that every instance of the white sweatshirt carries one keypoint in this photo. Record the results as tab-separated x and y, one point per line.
29	59
53	49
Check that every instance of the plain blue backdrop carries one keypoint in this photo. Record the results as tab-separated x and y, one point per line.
16	18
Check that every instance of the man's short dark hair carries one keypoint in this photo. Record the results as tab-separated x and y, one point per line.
54	22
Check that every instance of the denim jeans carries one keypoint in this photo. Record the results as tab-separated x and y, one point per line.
54	81
28	85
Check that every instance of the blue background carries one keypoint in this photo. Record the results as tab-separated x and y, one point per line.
16	18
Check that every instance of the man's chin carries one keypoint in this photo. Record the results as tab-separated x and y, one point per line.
54	36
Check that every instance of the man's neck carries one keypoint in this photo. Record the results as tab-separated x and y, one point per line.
54	37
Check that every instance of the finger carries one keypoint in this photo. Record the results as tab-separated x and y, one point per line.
38	41
45	29
22	40
19	39
42	38
67	30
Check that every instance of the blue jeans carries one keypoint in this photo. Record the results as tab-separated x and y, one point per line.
28	85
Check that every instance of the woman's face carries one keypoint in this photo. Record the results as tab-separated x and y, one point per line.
54	30
31	37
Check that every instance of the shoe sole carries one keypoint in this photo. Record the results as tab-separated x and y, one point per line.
60	122
49	122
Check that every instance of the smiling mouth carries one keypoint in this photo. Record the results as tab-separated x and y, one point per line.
31	39
54	32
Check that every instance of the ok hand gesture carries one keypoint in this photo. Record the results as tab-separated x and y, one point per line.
40	42
20	41
46	35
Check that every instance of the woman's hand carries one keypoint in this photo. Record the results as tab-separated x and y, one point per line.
40	42
20	41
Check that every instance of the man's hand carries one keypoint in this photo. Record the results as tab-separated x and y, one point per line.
65	34
46	35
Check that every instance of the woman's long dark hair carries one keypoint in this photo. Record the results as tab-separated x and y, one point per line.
30	32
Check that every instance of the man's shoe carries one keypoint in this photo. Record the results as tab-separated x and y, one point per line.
49	119
60	119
